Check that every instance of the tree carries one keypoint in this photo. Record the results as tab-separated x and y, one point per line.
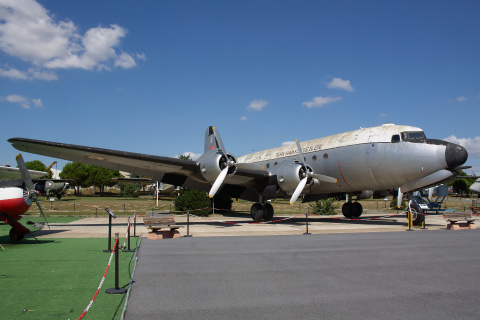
101	177
460	186
37	165
190	199
78	172
128	190
184	157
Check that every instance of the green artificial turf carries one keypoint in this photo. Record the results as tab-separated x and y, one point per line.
5	228
57	278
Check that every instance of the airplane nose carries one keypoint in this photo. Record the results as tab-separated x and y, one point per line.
455	155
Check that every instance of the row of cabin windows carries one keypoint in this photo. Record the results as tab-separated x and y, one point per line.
415	136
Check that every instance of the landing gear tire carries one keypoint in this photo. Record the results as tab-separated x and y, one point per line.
347	210
257	212
357	209
268	212
417	217
15	236
352	209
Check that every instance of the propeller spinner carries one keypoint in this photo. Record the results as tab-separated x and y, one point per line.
308	174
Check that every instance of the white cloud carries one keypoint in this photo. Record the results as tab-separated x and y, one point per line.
287	143
29	32
461	99
319	102
383	115
338	83
24	102
243	118
125	61
30	74
141	56
257	105
471	144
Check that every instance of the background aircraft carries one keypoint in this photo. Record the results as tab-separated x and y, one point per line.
386	157
16	194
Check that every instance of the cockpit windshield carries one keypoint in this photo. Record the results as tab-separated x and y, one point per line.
414	136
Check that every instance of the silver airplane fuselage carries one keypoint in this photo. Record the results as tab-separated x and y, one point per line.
377	158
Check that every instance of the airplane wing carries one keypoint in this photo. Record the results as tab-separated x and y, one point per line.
9	173
178	172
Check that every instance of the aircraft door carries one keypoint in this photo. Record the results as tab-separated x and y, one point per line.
373	155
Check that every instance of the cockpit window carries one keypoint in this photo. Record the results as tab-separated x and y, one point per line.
395	138
414	136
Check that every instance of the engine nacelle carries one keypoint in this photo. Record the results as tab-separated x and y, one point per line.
365	194
289	176
213	164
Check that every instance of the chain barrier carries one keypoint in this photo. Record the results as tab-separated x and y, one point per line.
101	283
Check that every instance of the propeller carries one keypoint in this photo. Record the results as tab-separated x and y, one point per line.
399	198
32	193
228	164
308	174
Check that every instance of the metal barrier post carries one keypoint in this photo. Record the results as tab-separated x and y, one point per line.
306	223
188	224
135	225
410	220
128	235
110	216
116	290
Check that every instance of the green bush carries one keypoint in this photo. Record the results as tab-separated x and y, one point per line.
128	190
190	199
324	207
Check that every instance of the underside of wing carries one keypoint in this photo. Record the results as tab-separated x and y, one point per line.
156	167
7	173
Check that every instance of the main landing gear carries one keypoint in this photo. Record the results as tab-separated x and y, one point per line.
352	209
261	212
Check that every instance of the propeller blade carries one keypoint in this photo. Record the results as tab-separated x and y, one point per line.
321	177
300	151
218	182
41	212
298	190
25	173
400	197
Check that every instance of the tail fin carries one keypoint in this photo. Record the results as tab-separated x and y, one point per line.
212	145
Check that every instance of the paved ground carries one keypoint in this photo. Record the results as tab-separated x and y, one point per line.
219	225
395	275
345	269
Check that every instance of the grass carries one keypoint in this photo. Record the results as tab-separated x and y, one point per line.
57	278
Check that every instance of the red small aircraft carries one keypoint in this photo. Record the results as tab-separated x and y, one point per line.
16	196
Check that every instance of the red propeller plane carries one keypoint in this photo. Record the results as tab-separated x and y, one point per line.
16	194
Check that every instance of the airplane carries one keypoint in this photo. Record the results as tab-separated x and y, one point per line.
55	187
16	196
386	157
475	187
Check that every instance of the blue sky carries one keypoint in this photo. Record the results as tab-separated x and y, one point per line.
151	76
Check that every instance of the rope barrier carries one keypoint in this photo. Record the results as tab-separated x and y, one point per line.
101	283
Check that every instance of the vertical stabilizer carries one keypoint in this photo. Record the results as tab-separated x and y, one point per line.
211	143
